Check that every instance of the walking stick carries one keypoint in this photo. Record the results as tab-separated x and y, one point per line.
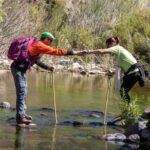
107	99
107	94
54	98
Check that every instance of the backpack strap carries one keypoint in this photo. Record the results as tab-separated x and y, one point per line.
136	66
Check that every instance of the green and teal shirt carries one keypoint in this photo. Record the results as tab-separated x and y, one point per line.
124	58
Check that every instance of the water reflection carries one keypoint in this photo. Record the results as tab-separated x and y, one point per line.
53	143
76	97
20	138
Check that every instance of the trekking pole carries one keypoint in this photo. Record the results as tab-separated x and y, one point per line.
107	95
51	81
54	97
107	99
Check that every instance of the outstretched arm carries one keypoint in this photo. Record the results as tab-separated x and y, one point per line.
43	65
99	51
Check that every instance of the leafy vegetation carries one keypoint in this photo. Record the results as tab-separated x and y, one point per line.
130	112
2	13
134	32
80	24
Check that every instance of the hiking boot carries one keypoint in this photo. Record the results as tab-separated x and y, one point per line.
28	117
24	121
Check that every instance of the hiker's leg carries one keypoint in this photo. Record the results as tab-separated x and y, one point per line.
26	87
20	83
25	98
128	82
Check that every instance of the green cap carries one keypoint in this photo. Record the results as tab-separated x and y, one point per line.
47	35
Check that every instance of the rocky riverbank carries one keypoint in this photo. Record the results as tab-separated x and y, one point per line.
64	65
135	136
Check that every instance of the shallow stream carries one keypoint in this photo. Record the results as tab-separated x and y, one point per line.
80	105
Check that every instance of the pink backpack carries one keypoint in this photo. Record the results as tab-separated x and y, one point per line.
18	50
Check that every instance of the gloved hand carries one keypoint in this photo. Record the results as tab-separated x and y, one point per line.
51	68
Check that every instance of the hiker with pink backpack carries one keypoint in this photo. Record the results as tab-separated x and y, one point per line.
25	52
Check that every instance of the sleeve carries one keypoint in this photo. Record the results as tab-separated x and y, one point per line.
41	64
40	48
114	50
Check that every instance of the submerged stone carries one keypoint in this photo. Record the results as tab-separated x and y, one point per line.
77	123
114	137
96	123
66	123
93	114
45	109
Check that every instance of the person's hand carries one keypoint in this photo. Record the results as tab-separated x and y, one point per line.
110	73
51	68
80	53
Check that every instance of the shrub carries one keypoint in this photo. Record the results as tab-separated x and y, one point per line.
130	111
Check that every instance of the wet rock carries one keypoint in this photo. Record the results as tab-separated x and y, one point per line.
5	105
96	72
94	114
142	124
76	65
137	133
146	113
114	137
117	121
134	129
145	134
77	123
135	138
71	123
45	109
96	123
92	72
83	72
66	123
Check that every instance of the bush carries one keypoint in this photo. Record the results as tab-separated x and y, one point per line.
134	32
130	111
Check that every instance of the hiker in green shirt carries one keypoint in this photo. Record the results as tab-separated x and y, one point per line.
132	70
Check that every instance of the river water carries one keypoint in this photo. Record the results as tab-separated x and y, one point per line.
80	104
